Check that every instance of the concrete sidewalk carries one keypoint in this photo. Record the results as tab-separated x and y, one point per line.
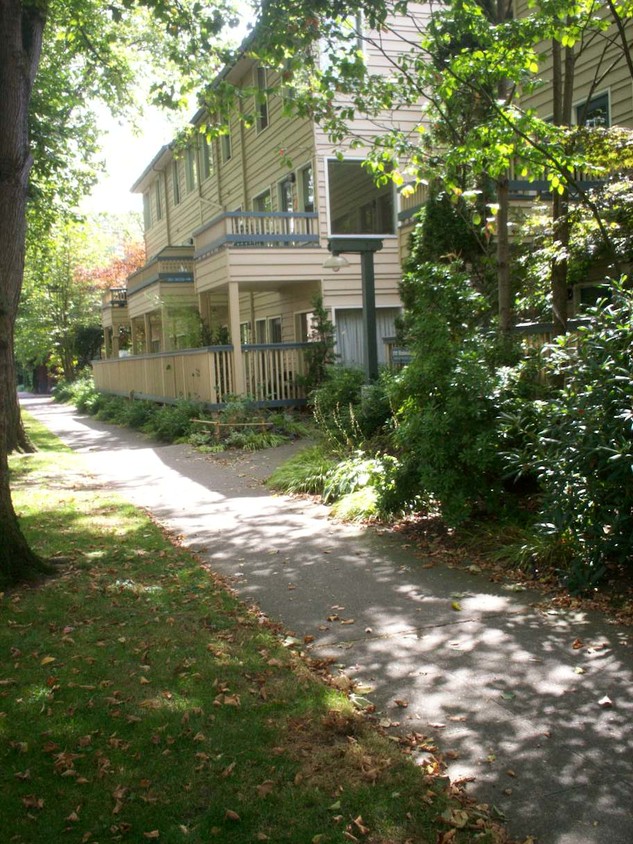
498	684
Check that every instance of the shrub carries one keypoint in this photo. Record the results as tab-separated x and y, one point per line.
348	411
306	472
580	442
447	399
172	422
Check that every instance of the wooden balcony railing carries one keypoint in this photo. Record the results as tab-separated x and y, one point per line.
115	297
272	374
257	229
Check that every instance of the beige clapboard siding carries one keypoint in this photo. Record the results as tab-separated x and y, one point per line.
258	267
155	296
618	82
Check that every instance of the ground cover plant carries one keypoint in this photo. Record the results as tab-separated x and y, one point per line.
184	421
140	701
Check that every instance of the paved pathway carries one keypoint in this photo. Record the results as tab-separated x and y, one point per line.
499	683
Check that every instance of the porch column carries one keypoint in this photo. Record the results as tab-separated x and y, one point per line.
114	342
148	333
239	382
164	334
133	336
107	335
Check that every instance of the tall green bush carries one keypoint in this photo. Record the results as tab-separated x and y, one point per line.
446	435
579	442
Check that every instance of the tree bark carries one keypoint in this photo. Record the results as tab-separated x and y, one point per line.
504	282
21	29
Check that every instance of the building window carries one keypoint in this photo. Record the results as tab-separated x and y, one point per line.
594	112
175	182
261	99
147	217
274	330
261	334
306	189
225	147
263	202
206	155
191	169
158	205
286	195
357	205
245	332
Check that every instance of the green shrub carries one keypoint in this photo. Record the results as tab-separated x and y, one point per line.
305	472
250	440
579	442
447	399
362	505
172	422
348	411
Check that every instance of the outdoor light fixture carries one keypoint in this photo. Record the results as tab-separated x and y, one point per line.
365	247
335	262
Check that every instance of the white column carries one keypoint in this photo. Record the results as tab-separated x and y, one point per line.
239	382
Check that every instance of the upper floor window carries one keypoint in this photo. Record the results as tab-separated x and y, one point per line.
158	205
191	168
175	179
286	194
225	147
306	189
358	206
206	158
594	112
263	202
261	99
147	217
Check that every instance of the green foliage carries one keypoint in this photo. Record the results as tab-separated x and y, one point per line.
349	412
305	473
579	442
172	422
362	505
249	440
446	398
356	472
320	354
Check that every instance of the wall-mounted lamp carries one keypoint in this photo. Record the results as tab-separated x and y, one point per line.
335	262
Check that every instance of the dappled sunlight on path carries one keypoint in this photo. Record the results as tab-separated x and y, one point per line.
536	706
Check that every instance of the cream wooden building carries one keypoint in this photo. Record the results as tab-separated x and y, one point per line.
236	234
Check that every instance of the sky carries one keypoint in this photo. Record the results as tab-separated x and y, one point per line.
126	156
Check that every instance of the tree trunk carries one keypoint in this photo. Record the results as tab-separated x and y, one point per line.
562	88
21	31
503	258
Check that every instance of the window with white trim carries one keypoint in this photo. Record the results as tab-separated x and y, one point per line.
175	180
357	205
261	98
206	158
595	112
158	205
263	202
147	216
191	169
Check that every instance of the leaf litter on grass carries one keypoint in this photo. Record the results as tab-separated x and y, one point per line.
141	700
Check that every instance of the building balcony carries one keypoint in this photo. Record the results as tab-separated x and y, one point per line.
257	249
115	297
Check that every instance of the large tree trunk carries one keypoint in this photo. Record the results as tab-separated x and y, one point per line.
21	28
504	281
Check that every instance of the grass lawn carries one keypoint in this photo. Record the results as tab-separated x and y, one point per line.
139	700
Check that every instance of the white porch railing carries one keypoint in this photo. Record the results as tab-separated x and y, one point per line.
257	229
272	374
